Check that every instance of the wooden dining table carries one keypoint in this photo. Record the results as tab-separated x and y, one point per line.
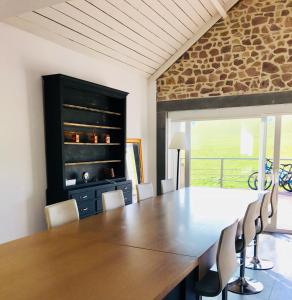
154	249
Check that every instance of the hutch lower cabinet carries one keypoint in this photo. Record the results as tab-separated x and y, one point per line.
89	199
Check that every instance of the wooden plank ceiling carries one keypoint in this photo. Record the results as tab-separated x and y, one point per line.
144	34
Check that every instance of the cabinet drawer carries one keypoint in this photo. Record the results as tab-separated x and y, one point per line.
82	196
86	208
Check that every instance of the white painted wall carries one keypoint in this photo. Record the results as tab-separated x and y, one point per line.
24	58
151	133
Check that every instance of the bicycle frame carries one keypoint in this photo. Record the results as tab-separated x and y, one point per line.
285	176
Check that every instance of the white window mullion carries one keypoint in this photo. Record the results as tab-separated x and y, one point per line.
188	154
262	153
276	160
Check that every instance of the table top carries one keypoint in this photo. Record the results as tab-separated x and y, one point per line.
48	267
141	251
185	222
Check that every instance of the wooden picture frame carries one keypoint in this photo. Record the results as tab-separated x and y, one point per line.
137	146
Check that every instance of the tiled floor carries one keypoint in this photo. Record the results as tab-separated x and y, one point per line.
278	281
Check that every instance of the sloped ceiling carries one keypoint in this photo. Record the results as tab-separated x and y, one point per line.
148	35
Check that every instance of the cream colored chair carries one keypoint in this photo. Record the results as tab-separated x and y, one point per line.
273	200
243	285
167	185
61	213
144	191
112	200
213	283
268	199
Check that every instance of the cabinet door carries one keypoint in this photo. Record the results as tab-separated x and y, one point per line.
98	195
127	191
100	190
125	187
128	197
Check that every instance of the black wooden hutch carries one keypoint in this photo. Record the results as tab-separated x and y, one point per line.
85	127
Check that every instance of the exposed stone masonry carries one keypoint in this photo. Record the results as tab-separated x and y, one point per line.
248	52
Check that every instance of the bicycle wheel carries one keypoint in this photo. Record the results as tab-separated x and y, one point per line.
253	181
287	183
268	180
290	186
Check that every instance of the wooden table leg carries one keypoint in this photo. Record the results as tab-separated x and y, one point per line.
185	290
207	260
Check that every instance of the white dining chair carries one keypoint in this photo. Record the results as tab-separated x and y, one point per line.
273	200
262	222
112	200
144	191
61	213
167	185
215	282
243	285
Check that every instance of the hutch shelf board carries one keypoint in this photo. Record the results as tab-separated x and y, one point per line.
85	126
92	144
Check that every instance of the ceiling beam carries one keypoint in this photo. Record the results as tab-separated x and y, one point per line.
12	8
221	10
190	42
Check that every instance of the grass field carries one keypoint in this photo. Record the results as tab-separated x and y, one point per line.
238	142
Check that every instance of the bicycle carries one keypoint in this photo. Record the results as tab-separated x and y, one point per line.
285	177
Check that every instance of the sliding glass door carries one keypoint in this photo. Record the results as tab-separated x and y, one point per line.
284	215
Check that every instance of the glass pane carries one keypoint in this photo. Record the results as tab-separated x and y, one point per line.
172	154
269	166
224	153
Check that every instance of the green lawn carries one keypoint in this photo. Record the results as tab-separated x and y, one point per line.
222	139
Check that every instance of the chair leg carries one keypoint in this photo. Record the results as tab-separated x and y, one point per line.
243	285
256	263
225	293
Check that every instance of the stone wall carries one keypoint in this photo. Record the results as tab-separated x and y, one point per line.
248	52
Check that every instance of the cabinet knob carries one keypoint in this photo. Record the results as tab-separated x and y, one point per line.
85	209
84	197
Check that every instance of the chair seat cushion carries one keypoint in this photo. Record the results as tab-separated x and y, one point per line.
209	285
239	245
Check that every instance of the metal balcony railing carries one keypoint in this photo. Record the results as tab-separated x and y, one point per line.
223	171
